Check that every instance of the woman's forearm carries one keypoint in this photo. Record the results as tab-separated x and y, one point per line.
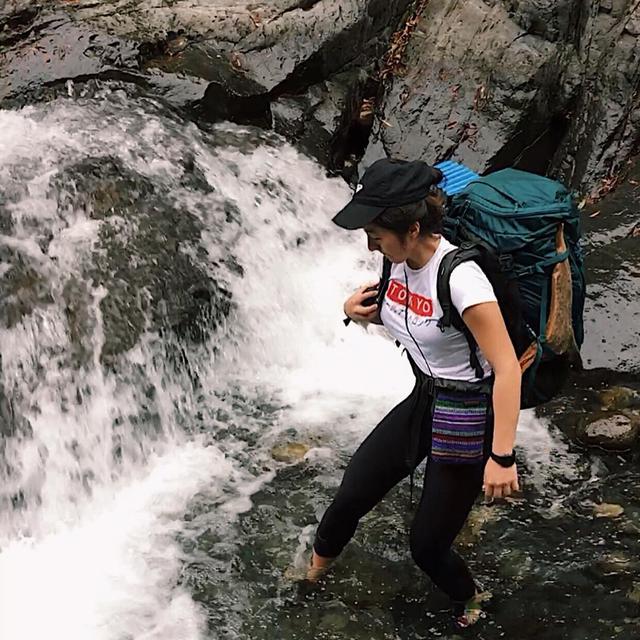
506	408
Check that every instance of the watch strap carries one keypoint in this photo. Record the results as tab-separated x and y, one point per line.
504	461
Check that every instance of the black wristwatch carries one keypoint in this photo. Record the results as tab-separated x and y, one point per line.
504	461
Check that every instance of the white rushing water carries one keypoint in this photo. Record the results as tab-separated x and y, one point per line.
90	549
93	499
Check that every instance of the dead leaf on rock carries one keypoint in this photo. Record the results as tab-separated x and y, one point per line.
236	60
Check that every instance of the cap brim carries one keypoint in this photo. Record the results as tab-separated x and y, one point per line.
356	215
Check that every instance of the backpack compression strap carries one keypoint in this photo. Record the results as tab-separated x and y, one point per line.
450	316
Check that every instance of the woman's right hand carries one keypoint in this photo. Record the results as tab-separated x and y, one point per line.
353	305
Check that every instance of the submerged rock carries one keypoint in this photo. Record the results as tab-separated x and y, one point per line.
143	260
22	289
619	398
615	564
289	452
634	593
515	564
606	510
475	525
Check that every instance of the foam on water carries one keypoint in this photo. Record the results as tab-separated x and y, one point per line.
111	572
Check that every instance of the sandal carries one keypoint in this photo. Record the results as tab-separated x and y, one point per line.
468	613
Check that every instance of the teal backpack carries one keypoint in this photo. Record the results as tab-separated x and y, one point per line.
523	230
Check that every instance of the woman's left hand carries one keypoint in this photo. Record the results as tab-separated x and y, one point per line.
498	481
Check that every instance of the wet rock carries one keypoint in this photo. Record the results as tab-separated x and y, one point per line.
515	564
612	309
150	279
634	593
616	564
289	452
22	289
242	53
619	398
606	510
56	49
617	432
323	121
505	83
16	20
228	63
476	524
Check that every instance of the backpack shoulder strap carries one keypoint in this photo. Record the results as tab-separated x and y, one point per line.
450	316
383	285
384	281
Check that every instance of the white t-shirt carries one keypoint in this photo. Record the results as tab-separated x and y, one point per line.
446	352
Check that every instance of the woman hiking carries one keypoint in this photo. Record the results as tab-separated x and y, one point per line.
460	417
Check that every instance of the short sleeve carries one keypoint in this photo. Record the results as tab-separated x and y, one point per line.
470	286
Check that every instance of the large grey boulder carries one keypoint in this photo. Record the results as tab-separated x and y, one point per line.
545	85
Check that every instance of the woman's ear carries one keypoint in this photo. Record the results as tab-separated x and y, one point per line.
414	230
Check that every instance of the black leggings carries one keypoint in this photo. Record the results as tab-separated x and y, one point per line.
449	492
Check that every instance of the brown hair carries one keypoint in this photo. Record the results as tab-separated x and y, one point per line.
428	212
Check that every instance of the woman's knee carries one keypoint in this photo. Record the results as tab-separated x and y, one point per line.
427	554
350	504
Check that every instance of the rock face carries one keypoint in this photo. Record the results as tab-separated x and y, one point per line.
612	259
546	85
225	60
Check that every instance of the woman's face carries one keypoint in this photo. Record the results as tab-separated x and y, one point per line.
387	243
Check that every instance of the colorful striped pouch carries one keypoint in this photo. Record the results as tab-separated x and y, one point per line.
458	428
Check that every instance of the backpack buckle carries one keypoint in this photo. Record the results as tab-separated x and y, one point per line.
506	263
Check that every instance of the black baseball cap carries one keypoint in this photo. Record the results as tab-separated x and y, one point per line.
387	183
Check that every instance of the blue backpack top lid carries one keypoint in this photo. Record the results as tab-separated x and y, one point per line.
456	177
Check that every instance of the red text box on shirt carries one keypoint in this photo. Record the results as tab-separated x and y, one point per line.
421	306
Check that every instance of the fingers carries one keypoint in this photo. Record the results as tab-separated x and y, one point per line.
367	288
364	313
492	491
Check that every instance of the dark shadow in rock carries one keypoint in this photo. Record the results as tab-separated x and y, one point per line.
533	147
221	102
